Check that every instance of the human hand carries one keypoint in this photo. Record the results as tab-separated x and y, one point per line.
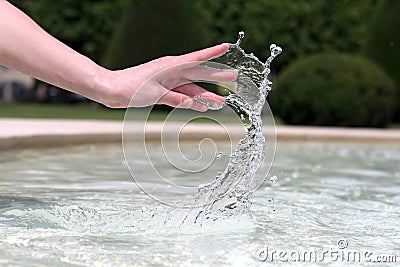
166	80
26	47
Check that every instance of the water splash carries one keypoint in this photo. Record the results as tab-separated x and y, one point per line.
273	179
250	73
229	194
240	37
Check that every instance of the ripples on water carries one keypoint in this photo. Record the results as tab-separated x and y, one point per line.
79	206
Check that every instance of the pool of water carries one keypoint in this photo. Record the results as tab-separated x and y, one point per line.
79	206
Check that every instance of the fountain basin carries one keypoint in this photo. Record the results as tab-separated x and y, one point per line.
77	204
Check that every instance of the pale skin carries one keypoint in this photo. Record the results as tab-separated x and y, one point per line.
26	47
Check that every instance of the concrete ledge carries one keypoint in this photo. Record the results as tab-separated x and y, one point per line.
23	133
336	134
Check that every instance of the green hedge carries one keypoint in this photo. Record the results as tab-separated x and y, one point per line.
335	90
85	25
300	27
154	28
383	44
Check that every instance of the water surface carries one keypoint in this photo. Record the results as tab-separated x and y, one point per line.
79	206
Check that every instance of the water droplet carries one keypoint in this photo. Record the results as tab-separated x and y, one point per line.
240	37
273	179
219	155
275	50
144	209
270	200
201	187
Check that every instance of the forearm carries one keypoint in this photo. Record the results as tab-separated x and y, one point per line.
26	47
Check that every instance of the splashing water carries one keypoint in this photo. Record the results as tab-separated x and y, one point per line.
229	195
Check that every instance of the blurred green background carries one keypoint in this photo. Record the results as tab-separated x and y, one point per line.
123	33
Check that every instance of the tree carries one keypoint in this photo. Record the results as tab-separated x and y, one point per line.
383	44
86	25
155	28
300	27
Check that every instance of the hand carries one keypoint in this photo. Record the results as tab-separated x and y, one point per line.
166	80
26	47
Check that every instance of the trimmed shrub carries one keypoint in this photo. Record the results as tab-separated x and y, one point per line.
334	90
383	43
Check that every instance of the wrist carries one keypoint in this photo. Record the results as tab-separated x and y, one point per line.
101	84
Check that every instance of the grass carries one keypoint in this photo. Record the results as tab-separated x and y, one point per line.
59	111
98	112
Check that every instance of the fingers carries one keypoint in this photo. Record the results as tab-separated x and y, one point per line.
205	54
202	95
116	105
198	106
192	89
179	100
170	72
205	73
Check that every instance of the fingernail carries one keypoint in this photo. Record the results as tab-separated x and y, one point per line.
199	107
186	104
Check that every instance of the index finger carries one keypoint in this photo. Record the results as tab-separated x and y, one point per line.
205	54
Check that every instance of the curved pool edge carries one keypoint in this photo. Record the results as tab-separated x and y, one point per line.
337	134
36	133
